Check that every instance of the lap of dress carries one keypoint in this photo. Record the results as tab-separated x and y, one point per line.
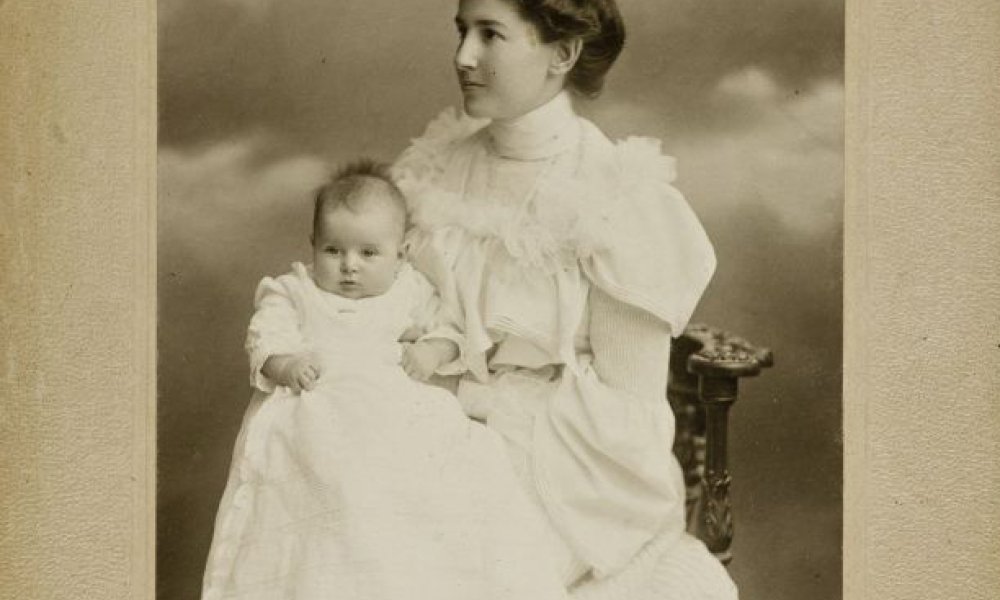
672	566
374	487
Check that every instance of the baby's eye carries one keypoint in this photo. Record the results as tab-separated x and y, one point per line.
369	253
332	250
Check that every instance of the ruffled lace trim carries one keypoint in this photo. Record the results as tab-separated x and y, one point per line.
569	217
425	159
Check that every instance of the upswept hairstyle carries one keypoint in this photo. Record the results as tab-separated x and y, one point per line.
346	184
598	23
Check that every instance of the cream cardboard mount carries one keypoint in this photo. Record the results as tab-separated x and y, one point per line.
922	336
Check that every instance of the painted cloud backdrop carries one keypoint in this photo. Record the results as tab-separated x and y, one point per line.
259	97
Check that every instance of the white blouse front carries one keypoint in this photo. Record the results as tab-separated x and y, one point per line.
573	258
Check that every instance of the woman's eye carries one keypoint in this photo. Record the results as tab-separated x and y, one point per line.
491	34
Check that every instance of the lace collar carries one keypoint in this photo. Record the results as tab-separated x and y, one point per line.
546	131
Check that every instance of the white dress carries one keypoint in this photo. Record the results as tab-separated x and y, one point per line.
573	260
372	486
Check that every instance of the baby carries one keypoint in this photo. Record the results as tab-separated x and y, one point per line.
358	225
351	478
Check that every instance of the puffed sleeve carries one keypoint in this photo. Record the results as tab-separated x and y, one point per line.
435	319
274	328
653	252
602	454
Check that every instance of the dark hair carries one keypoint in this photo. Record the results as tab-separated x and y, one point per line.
350	187
598	23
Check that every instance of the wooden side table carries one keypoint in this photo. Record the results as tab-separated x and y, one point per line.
706	365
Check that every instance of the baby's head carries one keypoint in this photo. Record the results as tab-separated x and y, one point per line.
359	219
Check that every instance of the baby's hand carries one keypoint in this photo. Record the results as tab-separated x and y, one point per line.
296	371
422	359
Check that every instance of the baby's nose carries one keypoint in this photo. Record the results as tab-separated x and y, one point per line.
349	264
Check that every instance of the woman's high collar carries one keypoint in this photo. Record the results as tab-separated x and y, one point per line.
546	131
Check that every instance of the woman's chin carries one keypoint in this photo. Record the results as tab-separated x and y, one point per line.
476	108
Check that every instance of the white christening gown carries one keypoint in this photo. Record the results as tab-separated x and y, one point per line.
372	486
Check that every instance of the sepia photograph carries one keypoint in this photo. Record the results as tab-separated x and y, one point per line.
515	298
500	299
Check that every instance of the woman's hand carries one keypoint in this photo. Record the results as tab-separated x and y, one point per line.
422	359
296	371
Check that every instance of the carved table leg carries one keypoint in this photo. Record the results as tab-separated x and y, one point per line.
682	392
717	395
706	365
688	445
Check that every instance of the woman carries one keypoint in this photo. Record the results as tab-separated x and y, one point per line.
572	260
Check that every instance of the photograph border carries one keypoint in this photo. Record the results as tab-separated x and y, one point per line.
77	103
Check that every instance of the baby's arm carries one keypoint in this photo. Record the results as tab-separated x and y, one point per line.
296	371
276	348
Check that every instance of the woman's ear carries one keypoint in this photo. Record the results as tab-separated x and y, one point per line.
565	56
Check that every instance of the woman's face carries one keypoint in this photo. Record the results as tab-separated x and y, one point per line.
503	67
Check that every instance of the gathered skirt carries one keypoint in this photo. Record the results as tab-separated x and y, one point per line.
672	565
375	487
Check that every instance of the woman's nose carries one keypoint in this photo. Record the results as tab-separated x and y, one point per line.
465	54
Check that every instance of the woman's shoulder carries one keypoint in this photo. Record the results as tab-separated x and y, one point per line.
627	162
428	151
650	248
631	186
449	125
625	185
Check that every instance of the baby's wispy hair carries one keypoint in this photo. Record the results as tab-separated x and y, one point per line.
357	183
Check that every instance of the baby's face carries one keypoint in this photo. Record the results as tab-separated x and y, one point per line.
357	254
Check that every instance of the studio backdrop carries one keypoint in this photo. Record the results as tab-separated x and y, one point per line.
259	99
